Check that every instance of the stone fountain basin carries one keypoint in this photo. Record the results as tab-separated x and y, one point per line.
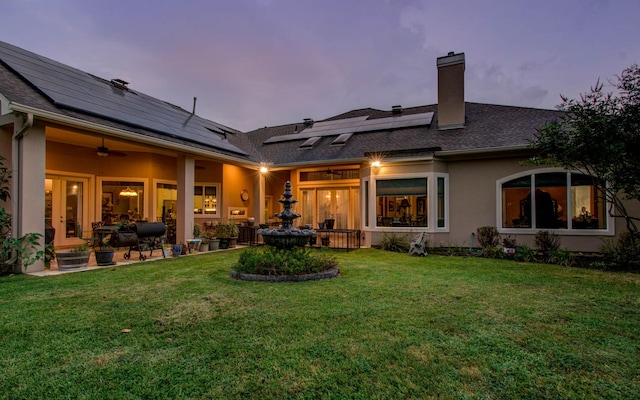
286	238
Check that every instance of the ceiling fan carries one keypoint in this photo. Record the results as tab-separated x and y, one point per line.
103	151
332	172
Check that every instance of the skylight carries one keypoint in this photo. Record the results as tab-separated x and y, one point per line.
309	143
341	140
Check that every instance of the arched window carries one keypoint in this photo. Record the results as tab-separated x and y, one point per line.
552	200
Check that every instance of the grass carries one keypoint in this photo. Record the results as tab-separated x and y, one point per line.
390	326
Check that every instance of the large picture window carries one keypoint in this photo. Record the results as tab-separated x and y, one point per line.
122	201
341	205
403	202
553	200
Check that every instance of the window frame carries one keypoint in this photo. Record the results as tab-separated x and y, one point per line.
204	185
432	193
569	230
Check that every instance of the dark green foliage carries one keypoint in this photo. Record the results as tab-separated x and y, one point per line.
599	134
14	251
560	257
509	241
524	254
623	254
393	242
488	236
493	252
547	242
267	260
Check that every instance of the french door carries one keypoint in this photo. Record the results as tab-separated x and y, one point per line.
67	208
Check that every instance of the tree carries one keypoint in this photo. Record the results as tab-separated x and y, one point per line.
600	135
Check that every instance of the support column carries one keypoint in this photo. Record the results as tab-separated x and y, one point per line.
260	193
186	181
28	183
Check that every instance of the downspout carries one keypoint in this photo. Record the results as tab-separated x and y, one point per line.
16	173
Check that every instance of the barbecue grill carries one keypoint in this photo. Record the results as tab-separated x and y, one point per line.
141	236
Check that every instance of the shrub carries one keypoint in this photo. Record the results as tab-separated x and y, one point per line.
524	254
268	260
623	254
493	252
393	242
509	242
488	236
547	242
560	257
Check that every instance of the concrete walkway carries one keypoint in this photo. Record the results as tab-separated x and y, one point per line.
118	259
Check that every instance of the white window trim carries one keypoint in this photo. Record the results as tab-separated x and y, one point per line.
217	214
145	182
569	231
433	205
445	228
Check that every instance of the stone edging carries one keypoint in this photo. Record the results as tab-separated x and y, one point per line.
328	274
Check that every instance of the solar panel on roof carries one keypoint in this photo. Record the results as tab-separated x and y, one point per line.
324	128
357	125
74	89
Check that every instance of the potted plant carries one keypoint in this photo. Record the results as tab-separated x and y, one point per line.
166	249
210	235
227	232
104	253
74	259
176	249
193	245
200	234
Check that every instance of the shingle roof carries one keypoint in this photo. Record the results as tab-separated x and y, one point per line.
487	126
43	83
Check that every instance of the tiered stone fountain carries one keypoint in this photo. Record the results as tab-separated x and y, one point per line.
286	236
286	240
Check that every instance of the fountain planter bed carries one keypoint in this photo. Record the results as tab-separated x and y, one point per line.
285	258
328	274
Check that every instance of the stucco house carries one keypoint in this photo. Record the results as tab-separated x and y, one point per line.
83	149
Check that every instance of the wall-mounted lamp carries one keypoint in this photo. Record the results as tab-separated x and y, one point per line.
264	169
375	164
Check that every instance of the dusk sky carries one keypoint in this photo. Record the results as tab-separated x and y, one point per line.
253	63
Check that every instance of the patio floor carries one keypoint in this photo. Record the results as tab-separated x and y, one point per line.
118	259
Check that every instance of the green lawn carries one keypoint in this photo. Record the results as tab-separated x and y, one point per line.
391	326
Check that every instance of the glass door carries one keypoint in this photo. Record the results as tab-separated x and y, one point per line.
68	206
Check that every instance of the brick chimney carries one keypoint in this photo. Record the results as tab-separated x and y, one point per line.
451	91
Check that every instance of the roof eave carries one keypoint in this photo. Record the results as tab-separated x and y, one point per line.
123	134
524	148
